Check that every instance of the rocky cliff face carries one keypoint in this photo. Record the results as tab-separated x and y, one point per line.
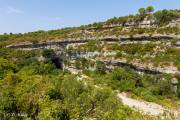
111	64
108	39
174	23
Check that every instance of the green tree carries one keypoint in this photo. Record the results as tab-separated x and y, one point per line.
100	67
61	114
150	9
164	17
78	64
45	68
48	53
5	67
142	11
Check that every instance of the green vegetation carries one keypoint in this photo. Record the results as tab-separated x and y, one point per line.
155	54
91	46
145	11
142	11
163	17
101	29
150	9
33	85
153	88
38	90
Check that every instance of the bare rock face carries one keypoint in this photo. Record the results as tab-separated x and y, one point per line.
174	81
174	23
147	23
41	58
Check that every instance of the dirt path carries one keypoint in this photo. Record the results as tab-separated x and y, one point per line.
146	107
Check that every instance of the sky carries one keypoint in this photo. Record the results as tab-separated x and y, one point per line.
19	16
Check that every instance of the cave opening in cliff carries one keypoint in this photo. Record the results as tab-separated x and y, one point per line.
58	62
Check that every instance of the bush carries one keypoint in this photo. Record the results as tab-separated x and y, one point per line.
26	62
45	68
145	94
55	94
119	55
5	67
61	114
100	67
48	53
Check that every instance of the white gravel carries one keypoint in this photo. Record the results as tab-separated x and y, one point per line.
148	108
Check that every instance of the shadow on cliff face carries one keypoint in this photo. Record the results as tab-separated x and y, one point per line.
49	54
58	62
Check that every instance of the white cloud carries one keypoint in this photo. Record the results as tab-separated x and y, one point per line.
12	10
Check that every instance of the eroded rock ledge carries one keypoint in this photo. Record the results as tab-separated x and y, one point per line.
64	43
141	68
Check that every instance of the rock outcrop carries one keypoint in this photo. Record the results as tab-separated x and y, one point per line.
174	23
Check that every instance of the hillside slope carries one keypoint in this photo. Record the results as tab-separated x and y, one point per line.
125	68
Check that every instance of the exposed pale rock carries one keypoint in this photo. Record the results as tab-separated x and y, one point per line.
174	81
146	107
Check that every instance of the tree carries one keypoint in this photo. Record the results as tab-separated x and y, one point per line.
163	17
6	67
45	68
142	11
84	63
48	53
100	67
62	114
150	9
78	64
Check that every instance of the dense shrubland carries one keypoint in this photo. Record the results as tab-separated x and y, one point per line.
38	90
35	88
153	88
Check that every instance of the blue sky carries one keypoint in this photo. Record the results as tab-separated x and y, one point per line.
31	15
